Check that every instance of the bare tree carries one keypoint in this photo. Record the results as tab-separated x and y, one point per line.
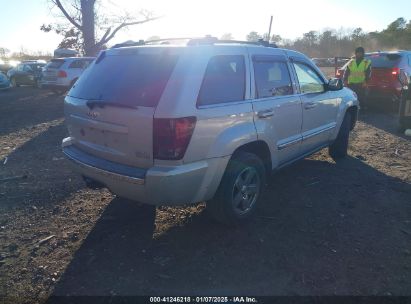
84	18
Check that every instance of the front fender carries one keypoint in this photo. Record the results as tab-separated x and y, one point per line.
349	99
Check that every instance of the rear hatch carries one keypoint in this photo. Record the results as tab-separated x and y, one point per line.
385	71
50	71
109	111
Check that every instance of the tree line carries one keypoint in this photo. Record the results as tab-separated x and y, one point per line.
331	42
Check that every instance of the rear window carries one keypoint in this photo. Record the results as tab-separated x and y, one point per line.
136	79
384	60
55	63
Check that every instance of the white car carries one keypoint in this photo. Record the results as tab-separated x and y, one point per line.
60	74
203	122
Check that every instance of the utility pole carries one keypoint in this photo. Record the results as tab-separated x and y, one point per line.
269	29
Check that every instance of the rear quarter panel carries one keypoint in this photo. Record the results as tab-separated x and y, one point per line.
220	128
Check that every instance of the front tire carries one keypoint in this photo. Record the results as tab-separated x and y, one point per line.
338	149
239	190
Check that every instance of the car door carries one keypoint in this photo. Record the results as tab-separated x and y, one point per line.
278	110
27	75
18	74
320	107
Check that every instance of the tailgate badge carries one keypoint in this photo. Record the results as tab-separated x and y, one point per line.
93	114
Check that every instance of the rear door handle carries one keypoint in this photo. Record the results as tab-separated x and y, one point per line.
265	113
310	105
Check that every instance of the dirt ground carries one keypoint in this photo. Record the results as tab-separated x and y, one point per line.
323	228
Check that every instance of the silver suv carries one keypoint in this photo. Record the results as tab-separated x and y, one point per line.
61	73
208	121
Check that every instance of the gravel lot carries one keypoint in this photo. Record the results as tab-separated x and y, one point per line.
323	228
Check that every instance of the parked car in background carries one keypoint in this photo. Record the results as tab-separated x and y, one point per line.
6	65
60	74
164	124
26	73
4	82
322	62
390	76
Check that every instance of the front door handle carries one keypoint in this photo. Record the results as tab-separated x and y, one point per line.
310	105
265	113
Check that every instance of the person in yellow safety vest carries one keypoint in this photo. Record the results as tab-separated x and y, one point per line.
357	74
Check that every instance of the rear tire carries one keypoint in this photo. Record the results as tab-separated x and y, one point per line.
338	149
239	190
38	84
14	83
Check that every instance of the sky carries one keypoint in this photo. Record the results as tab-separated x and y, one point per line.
21	19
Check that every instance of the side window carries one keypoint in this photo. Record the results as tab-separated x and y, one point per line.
272	78
86	63
409	60
20	68
309	80
27	68
224	80
77	64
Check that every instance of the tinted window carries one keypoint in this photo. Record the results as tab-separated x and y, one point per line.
55	63
78	64
224	80
36	66
27	68
384	60
272	79
131	79
308	79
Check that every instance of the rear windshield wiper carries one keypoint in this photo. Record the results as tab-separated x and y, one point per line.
102	103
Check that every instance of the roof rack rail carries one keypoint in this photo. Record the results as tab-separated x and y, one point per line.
207	40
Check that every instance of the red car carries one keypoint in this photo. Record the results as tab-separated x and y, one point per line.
390	76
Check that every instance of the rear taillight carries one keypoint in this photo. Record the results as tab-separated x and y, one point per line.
61	74
395	71
171	137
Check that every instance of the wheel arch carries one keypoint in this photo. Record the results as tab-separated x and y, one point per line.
353	111
259	148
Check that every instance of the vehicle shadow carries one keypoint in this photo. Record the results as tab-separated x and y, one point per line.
323	228
384	121
26	107
37	172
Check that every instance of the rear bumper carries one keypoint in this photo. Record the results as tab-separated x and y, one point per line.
4	86
159	185
53	86
385	93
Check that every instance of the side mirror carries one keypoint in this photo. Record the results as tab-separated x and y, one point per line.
335	84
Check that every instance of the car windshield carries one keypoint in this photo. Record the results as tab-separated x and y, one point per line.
135	80
382	60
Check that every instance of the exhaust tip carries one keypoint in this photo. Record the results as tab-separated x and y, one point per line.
93	184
